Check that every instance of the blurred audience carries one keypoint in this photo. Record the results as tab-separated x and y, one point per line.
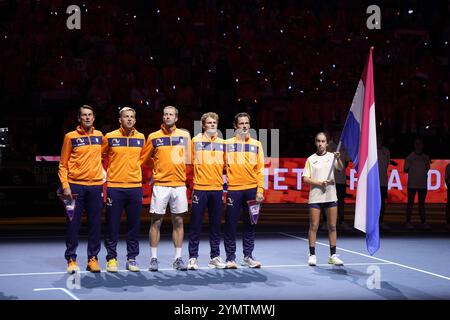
281	61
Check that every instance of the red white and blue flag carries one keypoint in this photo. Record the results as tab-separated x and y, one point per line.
360	139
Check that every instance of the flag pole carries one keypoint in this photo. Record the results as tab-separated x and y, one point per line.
334	159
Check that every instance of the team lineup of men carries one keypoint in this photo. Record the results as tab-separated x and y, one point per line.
86	154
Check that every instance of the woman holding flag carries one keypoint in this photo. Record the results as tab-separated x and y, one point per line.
319	174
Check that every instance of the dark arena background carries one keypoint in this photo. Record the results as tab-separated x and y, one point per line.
294	66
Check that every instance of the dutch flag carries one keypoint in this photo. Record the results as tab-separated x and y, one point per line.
360	139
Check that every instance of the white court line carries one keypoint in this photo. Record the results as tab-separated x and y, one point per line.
171	269
62	289
367	256
31	274
322	265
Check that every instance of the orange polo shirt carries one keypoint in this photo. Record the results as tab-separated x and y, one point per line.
208	158
244	164
81	160
168	152
124	156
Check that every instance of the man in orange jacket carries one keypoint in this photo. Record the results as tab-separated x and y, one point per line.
208	158
245	180
123	148
168	150
81	174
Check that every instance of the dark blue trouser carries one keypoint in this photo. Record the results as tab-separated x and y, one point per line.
118	199
237	200
89	198
200	201
422	194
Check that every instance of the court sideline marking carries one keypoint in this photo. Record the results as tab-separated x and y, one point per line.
62	289
367	256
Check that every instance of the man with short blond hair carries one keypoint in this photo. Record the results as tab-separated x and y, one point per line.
122	148
208	152
167	149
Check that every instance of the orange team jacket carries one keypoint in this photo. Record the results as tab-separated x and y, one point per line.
124	158
81	158
168	153
208	158
244	164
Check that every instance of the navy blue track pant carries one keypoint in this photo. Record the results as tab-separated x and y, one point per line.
89	198
237	200
200	201
118	199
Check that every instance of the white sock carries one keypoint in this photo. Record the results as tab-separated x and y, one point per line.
154	250
177	253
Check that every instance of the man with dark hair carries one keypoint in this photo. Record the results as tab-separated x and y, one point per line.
416	166
340	179
81	174
245	180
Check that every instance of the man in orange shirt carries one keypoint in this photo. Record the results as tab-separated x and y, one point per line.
123	148
208	152
245	180
167	150
81	174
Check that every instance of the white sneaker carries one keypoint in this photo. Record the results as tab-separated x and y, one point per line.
312	260
217	262
193	264
335	260
251	263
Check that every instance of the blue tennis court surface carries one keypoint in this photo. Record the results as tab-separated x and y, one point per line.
406	267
